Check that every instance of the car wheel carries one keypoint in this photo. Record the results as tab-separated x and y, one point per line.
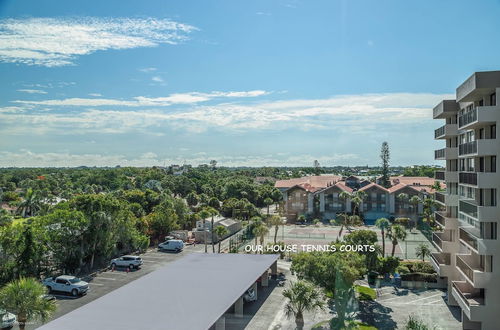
49	289
74	292
113	265
131	267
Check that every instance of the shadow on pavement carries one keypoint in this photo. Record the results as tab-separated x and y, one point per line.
373	313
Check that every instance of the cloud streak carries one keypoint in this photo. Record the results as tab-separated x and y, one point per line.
55	42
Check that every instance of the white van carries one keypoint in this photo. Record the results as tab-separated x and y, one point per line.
172	245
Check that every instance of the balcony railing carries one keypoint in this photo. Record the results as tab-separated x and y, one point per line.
441	258
439	132
468	238
468	208
467	118
439	197
439	153
437	240
465	268
470	295
468	178
467	148
439	175
440	219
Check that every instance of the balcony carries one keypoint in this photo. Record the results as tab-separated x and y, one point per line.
446	153
441	262
439	197
440	219
480	116
440	239
478	85
446	108
470	299
468	178
481	213
439	175
469	265
469	238
446	131
482	147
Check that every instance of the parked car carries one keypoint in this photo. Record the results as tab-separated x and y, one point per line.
250	295
172	245
66	283
127	261
7	320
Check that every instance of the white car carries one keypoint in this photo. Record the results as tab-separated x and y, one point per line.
7	320
175	245
127	261
66	283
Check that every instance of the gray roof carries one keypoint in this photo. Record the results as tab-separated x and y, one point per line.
190	293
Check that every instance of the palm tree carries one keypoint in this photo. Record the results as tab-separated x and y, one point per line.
414	201
260	231
203	215
422	251
402	198
221	231
302	218
268	201
341	220
302	297
30	204
383	224
344	195
353	220
213	212
396	234
24	298
275	221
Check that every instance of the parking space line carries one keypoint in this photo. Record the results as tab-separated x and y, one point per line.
104	278
98	284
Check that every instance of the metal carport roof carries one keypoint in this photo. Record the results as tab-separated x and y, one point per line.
190	293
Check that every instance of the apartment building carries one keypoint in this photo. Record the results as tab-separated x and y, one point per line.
321	196
469	252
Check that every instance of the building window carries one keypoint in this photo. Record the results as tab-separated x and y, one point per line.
493	131
493	197
493	99
493	163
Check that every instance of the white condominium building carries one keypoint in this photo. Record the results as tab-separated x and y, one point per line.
469	249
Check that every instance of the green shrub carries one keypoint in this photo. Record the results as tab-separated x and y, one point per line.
402	269
423	267
420	277
415	324
365	293
387	265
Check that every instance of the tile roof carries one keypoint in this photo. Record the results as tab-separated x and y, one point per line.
316	182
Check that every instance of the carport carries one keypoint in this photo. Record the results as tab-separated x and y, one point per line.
193	292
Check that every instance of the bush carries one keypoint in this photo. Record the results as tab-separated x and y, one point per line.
420	277
415	324
418	267
387	265
402	269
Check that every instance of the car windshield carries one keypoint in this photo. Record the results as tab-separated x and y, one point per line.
75	280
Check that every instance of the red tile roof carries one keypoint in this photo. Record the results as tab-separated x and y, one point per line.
315	182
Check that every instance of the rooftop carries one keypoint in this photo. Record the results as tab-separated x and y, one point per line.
190	293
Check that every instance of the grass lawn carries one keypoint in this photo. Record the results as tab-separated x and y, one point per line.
365	293
360	326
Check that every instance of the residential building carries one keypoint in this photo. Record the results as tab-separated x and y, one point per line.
469	254
203	228
321	196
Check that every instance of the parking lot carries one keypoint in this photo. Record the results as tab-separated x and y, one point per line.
109	280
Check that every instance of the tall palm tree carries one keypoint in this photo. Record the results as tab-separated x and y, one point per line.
396	234
221	231
24	298
402	197
383	224
213	212
414	201
342	219
302	297
204	214
268	201
275	221
260	231
422	251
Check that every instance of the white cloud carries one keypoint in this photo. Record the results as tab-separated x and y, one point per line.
141	101
59	41
95	94
147	70
27	158
157	79
32	91
353	114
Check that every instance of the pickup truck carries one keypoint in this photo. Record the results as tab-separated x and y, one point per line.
66	283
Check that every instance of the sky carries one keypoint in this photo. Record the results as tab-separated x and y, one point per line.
247	83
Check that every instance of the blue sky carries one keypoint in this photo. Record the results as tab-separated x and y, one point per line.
243	82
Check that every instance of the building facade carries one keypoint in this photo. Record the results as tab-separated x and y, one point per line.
326	196
469	254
